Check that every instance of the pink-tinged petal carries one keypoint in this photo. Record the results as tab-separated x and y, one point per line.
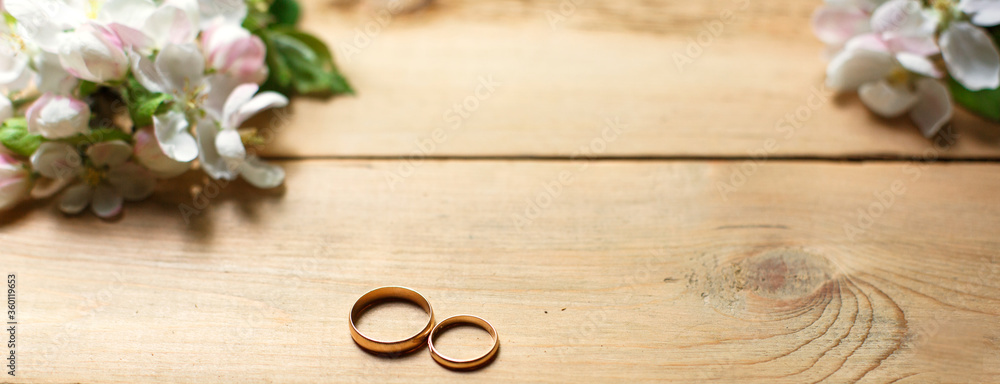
132	181
261	174
181	66
836	23
171	24
240	96
94	53
211	161
971	56
848	70
76	199
148	153
218	38
263	101
146	74
933	108
57	117
132	39
918	45
245	59
867	41
109	153
8	164
56	160
175	140
107	201
885	99
919	64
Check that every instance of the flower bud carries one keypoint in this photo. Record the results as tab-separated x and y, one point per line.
15	182
58	117
94	53
232	50
148	153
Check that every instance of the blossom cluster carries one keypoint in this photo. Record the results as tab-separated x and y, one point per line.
101	98
914	56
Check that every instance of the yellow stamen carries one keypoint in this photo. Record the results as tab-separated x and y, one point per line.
93	176
250	137
95	8
899	77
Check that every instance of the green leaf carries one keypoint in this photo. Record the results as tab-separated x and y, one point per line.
148	107
985	103
98	136
143	104
285	12
279	75
88	88
14	135
302	63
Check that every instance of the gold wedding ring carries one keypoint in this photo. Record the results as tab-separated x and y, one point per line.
397	347
463	365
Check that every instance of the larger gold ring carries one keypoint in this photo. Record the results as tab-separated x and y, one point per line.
397	347
470	364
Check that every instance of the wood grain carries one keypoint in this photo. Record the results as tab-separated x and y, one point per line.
631	271
560	78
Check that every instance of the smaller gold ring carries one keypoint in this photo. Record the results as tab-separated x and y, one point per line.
396	347
470	364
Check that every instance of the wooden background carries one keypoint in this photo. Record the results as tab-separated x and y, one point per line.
855	250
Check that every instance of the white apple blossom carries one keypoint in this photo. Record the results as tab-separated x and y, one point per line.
969	52
94	53
837	21
64	57
146	27
57	117
905	26
223	155
886	87
42	22
178	70
15	182
234	51
107	179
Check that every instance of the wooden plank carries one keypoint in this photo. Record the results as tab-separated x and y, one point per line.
418	75
624	271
